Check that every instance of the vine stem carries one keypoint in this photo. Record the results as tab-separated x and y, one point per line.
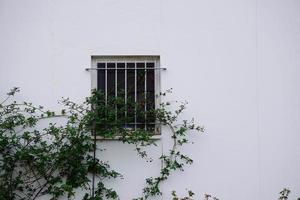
5	100
94	156
94	175
174	137
40	190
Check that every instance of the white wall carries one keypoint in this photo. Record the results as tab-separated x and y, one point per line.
237	62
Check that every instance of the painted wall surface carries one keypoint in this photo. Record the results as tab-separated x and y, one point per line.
237	63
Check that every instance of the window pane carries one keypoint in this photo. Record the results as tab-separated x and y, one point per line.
101	85
111	82
150	101
101	77
121	91
111	88
121	79
140	95
130	94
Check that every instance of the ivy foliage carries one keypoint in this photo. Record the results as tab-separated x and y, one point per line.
191	196
188	197
284	194
57	158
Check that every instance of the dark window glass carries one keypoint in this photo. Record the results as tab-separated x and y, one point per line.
131	94
121	79
121	90
101	85
111	81
150	99
101	77
140	77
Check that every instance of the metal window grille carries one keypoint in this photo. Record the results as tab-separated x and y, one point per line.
139	80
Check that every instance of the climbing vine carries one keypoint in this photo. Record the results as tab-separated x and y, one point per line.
191	195
174	159
284	194
48	153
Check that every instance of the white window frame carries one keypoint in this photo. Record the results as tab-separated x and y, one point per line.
131	59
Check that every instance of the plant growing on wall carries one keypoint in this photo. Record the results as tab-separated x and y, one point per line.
59	157
190	196
55	158
284	194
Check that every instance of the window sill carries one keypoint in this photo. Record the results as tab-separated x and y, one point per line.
154	137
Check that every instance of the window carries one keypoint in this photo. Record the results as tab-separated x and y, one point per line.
134	79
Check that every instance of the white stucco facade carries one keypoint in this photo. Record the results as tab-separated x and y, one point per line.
236	62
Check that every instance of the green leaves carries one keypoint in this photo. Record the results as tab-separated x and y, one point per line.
37	159
53	160
284	194
13	91
189	197
173	160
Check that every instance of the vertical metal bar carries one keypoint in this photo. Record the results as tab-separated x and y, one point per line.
105	83
135	94
156	92
116	80
126	107
116	91
145	97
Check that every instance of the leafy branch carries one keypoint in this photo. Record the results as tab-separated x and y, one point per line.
173	160
55	159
